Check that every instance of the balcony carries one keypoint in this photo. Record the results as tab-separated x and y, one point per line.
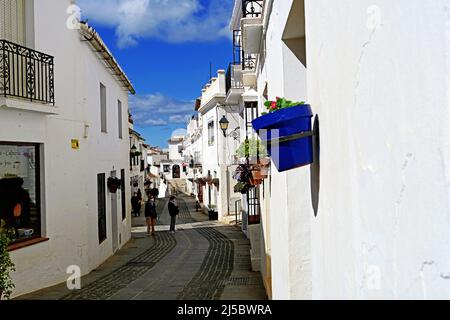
26	78
252	26
234	84
213	93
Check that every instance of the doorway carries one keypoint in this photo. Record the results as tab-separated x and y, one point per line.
114	218
176	173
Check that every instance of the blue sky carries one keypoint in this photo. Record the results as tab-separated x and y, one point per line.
165	47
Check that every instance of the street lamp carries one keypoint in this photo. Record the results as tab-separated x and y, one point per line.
224	123
133	149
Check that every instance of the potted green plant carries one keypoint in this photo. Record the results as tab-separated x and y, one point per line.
251	148
6	264
287	127
212	213
241	187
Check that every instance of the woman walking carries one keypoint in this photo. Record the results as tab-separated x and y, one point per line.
151	215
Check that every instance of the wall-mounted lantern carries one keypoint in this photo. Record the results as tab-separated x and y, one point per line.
224	124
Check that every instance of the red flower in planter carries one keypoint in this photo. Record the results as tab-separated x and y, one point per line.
280	103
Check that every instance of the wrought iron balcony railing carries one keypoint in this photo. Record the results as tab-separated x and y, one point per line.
26	73
248	61
252	8
233	79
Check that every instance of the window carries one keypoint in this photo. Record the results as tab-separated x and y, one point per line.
101	196
103	107
166	168
211	133
122	190
12	21
20	189
119	117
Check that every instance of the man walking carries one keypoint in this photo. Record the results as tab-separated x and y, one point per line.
173	211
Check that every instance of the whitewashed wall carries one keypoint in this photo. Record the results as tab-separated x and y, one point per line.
70	190
382	94
174	153
288	210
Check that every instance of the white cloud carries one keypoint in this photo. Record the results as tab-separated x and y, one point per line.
159	110
168	20
155	122
179	118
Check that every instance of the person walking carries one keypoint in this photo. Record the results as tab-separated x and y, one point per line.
135	205
151	215
173	211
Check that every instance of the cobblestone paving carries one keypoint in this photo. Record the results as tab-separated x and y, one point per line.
203	260
185	215
209	282
108	285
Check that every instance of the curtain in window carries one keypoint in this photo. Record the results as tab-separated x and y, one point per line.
12	21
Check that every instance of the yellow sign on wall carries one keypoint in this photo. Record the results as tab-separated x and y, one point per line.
75	144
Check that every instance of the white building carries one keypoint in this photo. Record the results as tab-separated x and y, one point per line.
217	148
192	152
64	135
176	148
154	158
138	161
376	74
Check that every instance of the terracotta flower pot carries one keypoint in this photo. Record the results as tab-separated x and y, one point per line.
265	162
256	182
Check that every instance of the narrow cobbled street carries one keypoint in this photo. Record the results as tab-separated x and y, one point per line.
203	260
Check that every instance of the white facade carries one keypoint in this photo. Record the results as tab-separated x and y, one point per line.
376	74
217	150
176	148
138	162
192	151
69	208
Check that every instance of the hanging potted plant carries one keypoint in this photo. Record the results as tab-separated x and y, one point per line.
6	264
252	149
113	184
260	172
242	173
241	187
255	181
216	182
287	130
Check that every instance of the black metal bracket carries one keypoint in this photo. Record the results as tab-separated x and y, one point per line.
304	134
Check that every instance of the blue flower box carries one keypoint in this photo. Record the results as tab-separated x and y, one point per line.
288	134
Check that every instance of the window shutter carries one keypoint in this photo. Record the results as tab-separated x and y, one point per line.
12	21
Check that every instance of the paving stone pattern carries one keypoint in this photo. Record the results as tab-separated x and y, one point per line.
108	285
203	260
209	282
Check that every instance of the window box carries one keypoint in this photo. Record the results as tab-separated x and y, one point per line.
289	130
